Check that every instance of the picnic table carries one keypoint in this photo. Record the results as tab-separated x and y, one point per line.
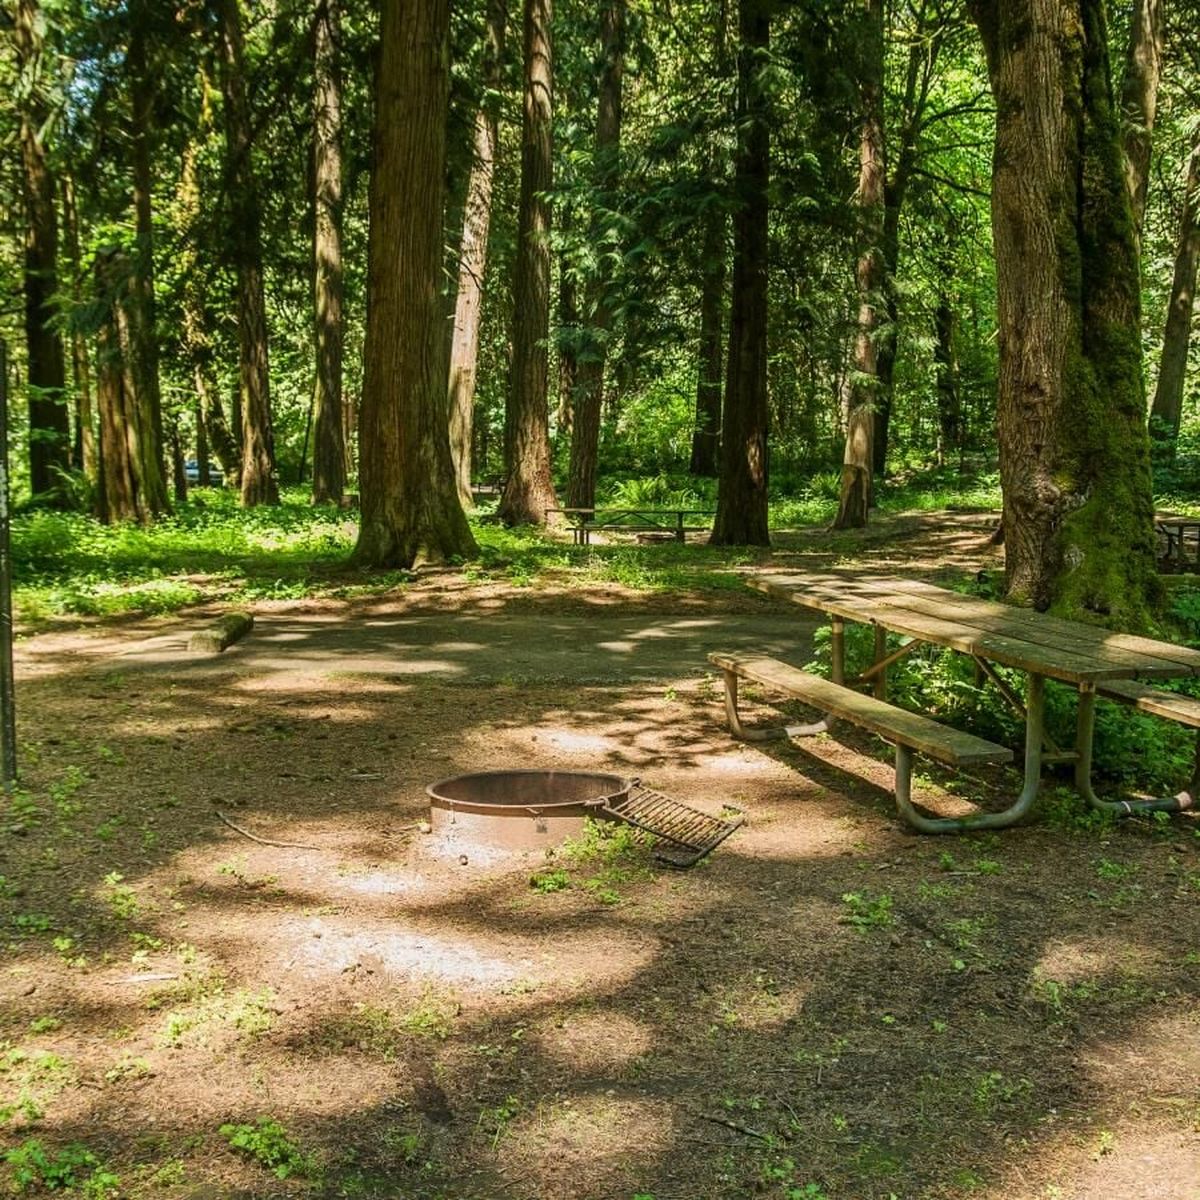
1092	660
1181	535
671	522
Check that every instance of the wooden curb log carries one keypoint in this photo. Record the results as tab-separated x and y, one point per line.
223	632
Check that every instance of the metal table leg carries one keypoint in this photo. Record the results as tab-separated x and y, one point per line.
772	732
1084	730
1035	709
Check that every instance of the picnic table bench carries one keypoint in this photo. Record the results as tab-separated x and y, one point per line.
670	522
1097	662
1182	544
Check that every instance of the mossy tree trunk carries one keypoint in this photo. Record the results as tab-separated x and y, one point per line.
1139	99
741	518
329	453
258	482
1071	415
84	446
529	491
410	508
858	460
49	424
606	154
473	254
143	350
706	434
1172	369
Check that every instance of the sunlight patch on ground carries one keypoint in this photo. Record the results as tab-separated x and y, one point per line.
316	946
565	739
595	1042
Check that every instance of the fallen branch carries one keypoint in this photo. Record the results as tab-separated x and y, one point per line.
754	1133
261	840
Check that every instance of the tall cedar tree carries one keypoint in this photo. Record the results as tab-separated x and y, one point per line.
410	508
1139	99
741	518
143	343
472	259
259	485
529	491
588	391
49	431
858	461
1071	411
1172	370
706	433
84	448
329	451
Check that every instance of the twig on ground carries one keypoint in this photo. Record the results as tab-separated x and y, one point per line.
261	840
766	1137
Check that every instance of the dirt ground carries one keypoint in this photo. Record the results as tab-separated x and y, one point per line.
830	1006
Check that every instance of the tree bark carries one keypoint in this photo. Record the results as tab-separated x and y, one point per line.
858	461
742	489
123	493
49	425
410	508
568	326
1071	413
210	418
1139	99
143	351
1172	370
472	260
85	428
329	452
529	491
259	485
949	406
606	153
706	435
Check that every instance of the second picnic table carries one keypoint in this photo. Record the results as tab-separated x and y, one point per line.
1091	659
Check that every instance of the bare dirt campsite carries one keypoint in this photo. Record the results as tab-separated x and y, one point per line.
828	1006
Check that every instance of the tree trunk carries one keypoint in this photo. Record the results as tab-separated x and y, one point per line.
742	490
410	508
1071	413
1139	100
210	417
568	325
203	462
259	485
529	491
946	366
606	154
1172	370
85	431
144	350
472	259
329	453
122	494
706	436
178	469
49	425
858	460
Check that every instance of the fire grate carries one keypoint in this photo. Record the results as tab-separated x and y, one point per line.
685	835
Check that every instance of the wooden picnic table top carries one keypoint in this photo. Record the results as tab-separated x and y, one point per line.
1068	651
650	510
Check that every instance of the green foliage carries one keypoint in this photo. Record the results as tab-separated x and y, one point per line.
72	1167
267	1142
865	911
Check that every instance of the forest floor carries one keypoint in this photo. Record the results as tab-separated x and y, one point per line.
830	1006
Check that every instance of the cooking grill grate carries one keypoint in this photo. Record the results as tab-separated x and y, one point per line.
684	834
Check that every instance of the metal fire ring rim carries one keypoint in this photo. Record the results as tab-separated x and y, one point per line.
499	809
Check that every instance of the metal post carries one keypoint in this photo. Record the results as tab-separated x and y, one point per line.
8	712
837	650
880	686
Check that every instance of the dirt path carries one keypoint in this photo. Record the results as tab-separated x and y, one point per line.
830	1007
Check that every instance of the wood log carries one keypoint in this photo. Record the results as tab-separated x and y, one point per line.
223	632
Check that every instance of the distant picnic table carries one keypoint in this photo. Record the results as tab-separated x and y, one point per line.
671	523
1182	538
1095	661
